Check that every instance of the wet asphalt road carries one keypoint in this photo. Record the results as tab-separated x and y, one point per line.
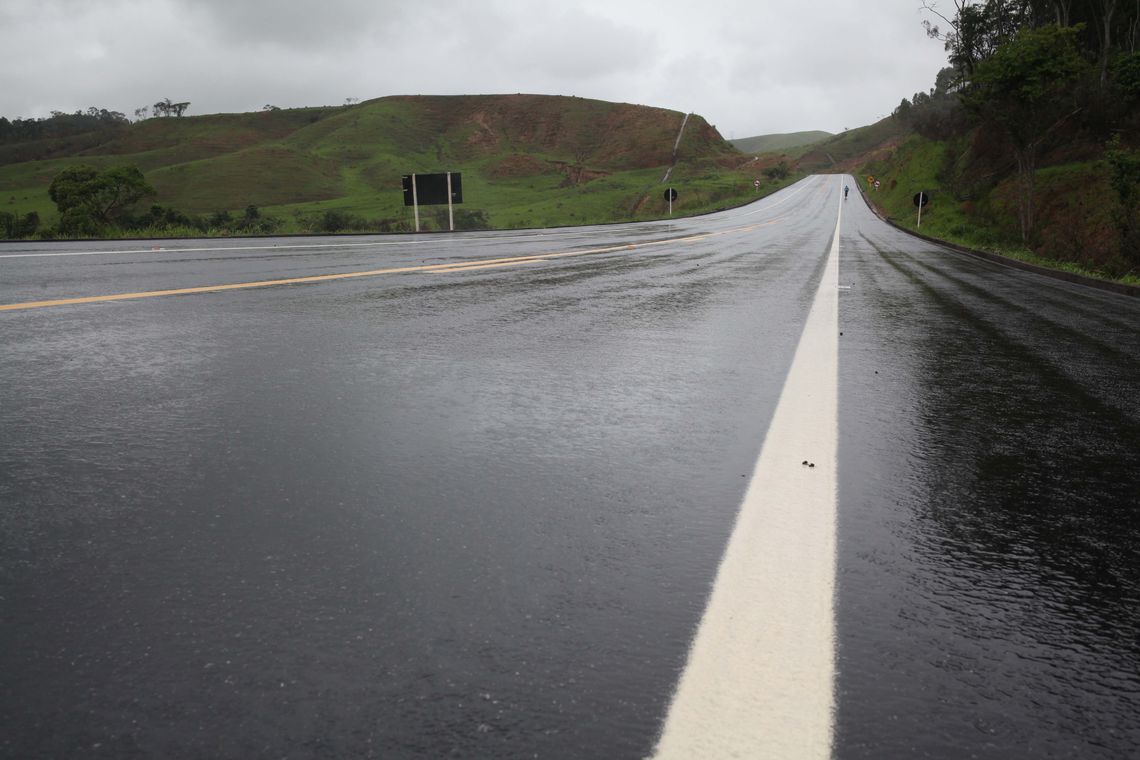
476	513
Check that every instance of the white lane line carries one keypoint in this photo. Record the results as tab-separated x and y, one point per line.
785	199
219	249
321	246
759	678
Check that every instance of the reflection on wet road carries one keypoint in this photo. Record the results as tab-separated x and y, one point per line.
989	589
474	509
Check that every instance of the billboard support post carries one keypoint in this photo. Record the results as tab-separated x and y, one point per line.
433	190
450	210
415	203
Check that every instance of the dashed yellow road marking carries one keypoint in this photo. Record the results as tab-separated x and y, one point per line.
461	266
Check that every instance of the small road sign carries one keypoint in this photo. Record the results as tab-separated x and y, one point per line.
670	195
921	198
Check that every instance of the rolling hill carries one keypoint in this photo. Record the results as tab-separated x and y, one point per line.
527	160
780	143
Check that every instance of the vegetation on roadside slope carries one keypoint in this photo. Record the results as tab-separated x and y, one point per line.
848	150
1029	142
526	160
1077	226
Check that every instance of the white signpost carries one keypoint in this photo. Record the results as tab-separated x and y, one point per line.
415	203
921	198
450	212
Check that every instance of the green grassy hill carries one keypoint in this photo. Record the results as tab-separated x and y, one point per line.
853	148
527	160
790	143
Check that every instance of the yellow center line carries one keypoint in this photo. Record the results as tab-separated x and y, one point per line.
436	268
473	267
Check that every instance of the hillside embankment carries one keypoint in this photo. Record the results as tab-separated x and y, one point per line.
974	197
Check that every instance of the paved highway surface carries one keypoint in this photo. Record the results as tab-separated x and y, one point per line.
468	495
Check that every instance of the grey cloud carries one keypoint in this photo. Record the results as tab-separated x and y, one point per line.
748	66
300	25
574	44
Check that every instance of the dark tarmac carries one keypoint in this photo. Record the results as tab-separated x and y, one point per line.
476	513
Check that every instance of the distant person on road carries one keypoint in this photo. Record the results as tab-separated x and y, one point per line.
845	191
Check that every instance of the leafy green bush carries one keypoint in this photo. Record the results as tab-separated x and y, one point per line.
777	172
1127	72
465	219
1124	166
89	199
15	227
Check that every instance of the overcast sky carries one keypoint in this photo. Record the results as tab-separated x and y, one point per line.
750	67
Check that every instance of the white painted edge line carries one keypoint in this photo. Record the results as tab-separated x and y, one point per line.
301	246
759	682
209	249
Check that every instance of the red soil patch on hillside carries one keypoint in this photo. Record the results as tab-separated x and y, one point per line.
517	166
595	135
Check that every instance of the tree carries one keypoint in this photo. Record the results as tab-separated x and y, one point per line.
166	108
1063	9
1105	9
936	115
1132	27
779	171
1025	88
1124	177
1127	74
13	227
904	111
974	31
88	199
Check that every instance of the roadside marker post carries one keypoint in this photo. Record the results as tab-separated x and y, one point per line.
921	198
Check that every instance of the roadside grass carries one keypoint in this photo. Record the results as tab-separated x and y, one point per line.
24	200
544	200
273	173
